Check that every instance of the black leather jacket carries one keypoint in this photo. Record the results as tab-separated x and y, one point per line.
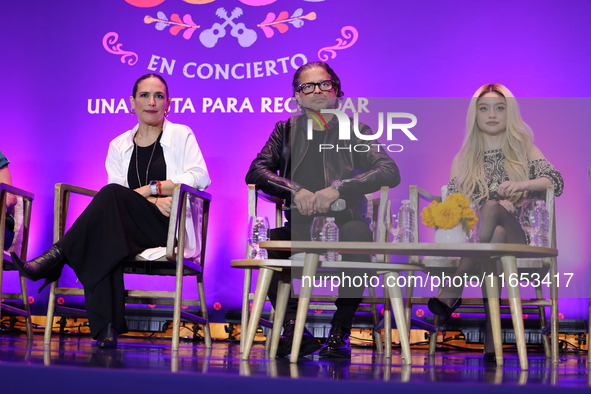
360	172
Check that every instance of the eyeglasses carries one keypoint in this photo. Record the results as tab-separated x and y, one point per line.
309	87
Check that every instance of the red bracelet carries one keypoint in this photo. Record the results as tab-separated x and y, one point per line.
159	187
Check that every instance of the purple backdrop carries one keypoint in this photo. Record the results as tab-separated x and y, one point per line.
68	68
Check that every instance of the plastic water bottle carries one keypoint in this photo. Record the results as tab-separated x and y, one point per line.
406	222
330	233
475	232
540	225
260	233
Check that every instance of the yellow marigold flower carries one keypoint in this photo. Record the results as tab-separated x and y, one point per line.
469	218
428	214
448	216
458	199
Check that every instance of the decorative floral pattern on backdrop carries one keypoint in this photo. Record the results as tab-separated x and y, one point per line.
296	20
111	46
350	35
175	23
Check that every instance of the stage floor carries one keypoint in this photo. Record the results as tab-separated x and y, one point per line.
145	365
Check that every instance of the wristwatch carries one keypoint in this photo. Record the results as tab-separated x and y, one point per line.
337	185
154	187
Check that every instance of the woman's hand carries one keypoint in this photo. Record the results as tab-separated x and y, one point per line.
145	191
509	188
164	204
508	205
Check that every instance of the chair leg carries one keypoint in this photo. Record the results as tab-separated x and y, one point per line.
204	314
283	294
310	266
375	314
245	306
263	282
396	300
554	310
542	317
387	325
408	301
25	296
270	331
50	313
490	290
433	337
510	268
176	314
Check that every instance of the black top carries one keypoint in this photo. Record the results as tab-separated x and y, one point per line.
310	173
157	170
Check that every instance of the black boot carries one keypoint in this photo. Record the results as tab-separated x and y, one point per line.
337	343
309	343
49	266
107	338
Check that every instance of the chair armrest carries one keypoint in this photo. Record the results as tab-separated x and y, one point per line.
178	223
17	191
65	187
269	198
426	195
254	194
551	208
61	200
27	200
415	193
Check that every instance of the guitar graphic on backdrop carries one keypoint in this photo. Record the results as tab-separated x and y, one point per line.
246	37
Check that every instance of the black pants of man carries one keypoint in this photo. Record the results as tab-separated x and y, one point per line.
349	298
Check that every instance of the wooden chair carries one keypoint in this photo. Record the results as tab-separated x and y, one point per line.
322	303
267	267
188	204
22	216
437	266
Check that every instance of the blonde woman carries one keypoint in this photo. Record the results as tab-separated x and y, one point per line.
497	167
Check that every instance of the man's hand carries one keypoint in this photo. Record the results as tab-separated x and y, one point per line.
304	199
324	198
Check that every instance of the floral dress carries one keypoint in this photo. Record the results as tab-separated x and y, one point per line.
494	170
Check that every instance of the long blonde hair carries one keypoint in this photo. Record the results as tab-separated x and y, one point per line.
517	142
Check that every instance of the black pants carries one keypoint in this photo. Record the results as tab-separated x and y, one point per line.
349	298
117	223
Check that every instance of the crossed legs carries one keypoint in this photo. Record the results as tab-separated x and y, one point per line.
497	225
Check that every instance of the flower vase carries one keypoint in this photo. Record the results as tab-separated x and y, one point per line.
452	235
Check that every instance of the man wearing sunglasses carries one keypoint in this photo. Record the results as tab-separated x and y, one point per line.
319	182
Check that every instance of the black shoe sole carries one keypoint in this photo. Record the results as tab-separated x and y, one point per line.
333	353
489	358
307	347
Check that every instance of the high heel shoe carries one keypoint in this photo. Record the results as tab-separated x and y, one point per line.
49	265
440	308
54	274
